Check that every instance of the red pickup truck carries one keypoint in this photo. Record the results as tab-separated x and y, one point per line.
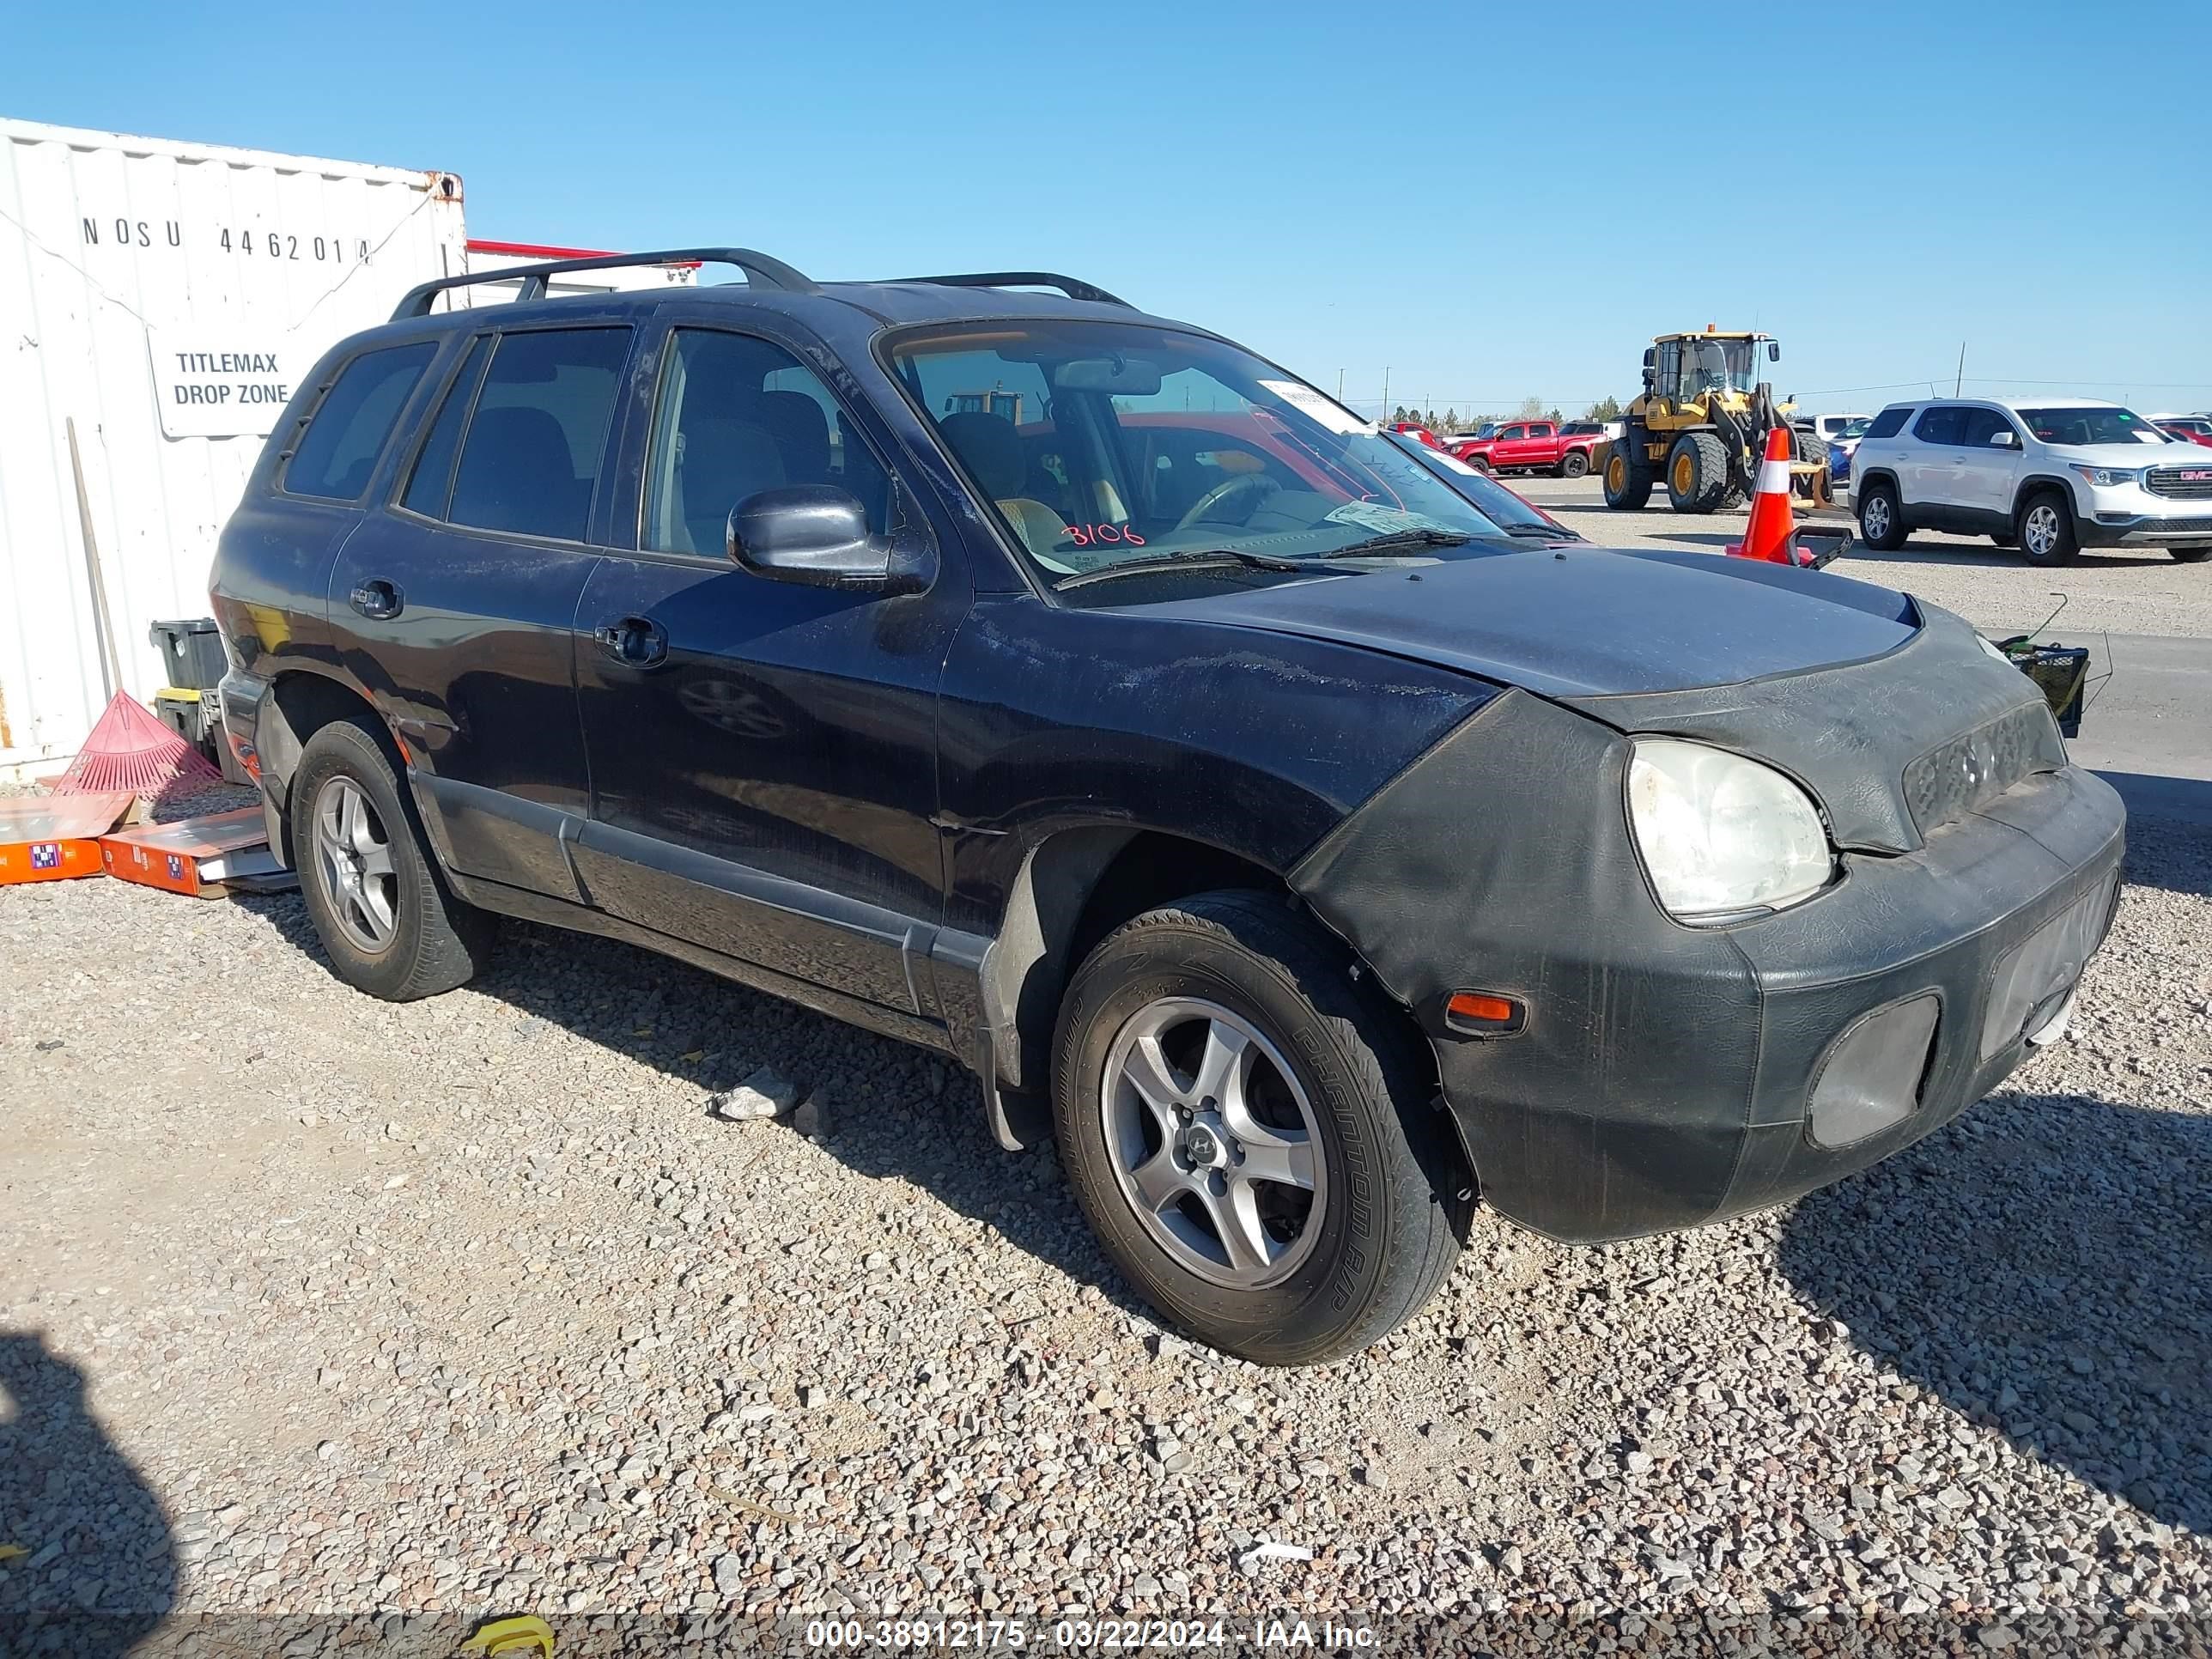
1533	446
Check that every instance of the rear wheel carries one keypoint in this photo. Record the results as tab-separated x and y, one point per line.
386	918
1247	1130
1697	472
2046	530
1881	526
1627	473
1574	464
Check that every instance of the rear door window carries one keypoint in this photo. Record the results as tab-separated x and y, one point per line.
531	460
433	480
1889	422
337	453
1942	425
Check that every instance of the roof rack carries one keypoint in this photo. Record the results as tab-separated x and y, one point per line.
760	271
1067	285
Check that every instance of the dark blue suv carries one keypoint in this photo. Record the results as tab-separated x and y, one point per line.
1075	693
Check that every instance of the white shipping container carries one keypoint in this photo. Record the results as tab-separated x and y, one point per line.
167	298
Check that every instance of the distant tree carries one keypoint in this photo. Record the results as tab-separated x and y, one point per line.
1399	417
1532	409
1553	417
1452	420
1605	408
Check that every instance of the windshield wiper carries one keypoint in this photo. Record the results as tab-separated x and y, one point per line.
1193	558
1399	540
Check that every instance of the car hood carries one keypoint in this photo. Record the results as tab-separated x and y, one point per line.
2124	457
1586	621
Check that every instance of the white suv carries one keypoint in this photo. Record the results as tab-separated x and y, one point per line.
2050	478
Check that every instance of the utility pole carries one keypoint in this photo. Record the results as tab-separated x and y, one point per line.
1962	381
1386	396
1339	385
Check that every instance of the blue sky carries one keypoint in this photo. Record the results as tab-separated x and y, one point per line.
1488	202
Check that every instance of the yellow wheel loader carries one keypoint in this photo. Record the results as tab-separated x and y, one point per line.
1701	427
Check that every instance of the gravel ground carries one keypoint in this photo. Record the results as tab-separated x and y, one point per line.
386	1320
2136	591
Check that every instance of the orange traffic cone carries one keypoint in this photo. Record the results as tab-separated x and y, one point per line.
1772	524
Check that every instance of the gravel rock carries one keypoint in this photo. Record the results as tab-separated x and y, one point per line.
596	1359
766	1093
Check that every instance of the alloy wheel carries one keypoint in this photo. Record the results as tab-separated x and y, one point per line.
1214	1143
1874	517
2039	531
353	861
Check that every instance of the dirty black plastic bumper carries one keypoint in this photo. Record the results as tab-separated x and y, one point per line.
1665	1075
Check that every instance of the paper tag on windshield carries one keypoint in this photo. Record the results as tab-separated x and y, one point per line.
1304	399
1385	520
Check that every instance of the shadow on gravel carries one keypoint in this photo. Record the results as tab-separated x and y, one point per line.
2167	818
2043	1265
101	1569
885	1109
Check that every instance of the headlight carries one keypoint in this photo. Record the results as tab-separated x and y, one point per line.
2111	474
1721	835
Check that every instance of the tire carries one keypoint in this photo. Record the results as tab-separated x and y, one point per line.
1574	464
1697	472
1324	1270
2046	530
2190	555
1628	475
1881	523
1481	464
395	932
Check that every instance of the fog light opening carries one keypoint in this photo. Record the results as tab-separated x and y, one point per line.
1872	1077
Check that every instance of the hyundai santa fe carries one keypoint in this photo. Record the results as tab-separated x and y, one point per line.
1076	694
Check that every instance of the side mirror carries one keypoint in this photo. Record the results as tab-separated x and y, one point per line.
815	535
2004	438
1649	357
1774	351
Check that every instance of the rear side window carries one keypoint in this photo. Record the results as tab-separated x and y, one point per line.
531	459
1889	422
337	451
1940	425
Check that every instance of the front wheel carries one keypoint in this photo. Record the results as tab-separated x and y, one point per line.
1697	472
2046	531
1247	1130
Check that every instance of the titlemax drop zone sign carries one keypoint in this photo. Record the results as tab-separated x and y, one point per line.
219	394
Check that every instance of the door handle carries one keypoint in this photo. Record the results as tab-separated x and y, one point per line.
634	641
378	600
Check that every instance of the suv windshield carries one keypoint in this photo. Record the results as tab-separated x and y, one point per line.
2090	426
1105	444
